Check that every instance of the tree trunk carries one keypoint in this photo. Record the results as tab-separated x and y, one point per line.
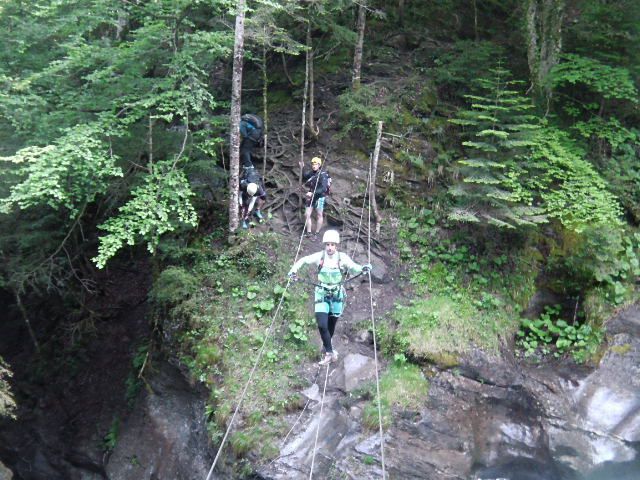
236	99
311	122
475	21
304	117
372	180
401	12
544	36
357	56
25	317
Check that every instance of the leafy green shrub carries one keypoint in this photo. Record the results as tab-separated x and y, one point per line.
241	443
568	186
364	108
607	81
551	334
458	67
173	286
607	256
161	204
622	171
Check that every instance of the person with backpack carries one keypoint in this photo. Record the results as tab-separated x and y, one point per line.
251	130
318	184
332	266
252	193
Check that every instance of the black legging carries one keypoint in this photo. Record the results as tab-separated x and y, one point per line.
246	147
326	327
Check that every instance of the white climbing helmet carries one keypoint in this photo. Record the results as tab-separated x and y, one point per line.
331	236
252	188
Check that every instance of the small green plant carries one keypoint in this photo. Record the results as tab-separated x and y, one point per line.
111	438
263	307
297	330
368	460
241	443
400	358
371	416
272	356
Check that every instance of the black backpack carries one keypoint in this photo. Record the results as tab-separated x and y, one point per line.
328	179
256	122
250	175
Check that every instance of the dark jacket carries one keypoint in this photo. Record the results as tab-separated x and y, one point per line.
310	179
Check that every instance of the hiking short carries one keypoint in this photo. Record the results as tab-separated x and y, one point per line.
325	302
318	204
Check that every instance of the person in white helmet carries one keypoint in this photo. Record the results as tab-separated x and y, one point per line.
252	194
329	293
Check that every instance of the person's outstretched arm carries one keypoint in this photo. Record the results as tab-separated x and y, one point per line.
313	259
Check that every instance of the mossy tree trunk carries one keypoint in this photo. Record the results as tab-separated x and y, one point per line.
357	56
311	122
544	37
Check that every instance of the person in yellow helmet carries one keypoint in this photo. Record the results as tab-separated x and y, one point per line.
330	294
317	182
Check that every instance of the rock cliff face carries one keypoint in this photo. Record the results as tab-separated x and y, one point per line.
493	418
166	436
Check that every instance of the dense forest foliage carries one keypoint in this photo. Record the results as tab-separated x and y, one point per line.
517	119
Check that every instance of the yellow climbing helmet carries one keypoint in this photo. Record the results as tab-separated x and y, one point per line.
316	161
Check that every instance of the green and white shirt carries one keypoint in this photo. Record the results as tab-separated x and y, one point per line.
330	273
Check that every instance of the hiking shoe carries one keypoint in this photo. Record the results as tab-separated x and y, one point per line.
245	225
258	215
326	360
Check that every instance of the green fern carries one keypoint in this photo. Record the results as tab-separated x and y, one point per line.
500	132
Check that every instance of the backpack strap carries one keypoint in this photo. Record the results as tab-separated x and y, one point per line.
321	264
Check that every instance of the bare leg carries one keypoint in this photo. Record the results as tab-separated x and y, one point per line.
319	218
307	223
